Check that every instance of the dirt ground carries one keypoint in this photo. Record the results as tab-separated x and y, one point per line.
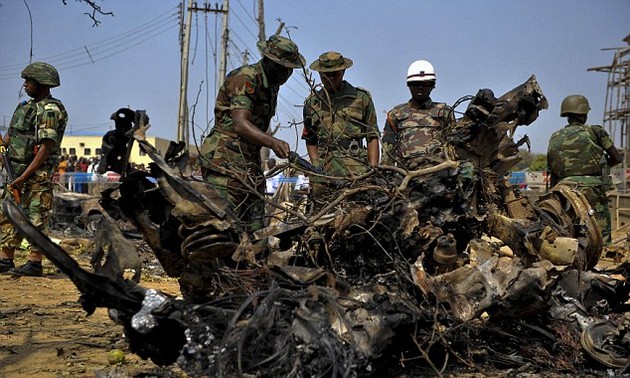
44	332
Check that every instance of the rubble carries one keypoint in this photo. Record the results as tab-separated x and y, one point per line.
441	267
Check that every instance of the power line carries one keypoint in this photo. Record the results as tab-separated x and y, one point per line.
247	12
104	44
245	26
101	54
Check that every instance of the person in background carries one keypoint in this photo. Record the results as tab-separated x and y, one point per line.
72	162
83	168
62	167
272	182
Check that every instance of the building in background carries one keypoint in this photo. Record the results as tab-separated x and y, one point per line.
90	146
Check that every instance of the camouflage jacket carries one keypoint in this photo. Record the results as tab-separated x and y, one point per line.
32	122
340	124
410	132
244	88
575	153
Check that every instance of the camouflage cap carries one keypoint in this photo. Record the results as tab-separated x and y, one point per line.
331	61
43	73
282	51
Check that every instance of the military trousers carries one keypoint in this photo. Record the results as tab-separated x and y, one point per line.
36	202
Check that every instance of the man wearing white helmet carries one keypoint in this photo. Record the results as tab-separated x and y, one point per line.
411	129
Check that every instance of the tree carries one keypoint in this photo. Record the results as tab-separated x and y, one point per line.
531	161
96	10
539	163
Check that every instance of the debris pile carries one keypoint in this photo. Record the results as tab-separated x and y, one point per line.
438	266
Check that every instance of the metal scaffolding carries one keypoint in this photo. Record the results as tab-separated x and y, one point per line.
617	121
617	106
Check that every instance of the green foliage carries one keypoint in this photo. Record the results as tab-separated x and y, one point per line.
539	163
531	161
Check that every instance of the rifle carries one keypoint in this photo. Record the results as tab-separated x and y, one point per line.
301	162
10	175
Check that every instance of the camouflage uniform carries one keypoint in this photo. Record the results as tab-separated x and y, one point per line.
225	157
574	158
340	133
32	122
409	135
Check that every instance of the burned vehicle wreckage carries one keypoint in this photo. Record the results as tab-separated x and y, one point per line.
441	266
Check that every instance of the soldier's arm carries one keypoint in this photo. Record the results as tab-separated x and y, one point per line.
553	181
248	131
44	151
373	145
309	134
373	152
313	153
613	156
389	139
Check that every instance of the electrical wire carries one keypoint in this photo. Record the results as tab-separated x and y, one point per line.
247	12
106	44
245	26
104	52
30	18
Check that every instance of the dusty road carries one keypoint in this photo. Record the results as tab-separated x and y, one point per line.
44	332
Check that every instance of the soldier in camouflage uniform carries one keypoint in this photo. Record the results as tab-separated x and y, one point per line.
580	155
411	132
33	142
230	154
340	128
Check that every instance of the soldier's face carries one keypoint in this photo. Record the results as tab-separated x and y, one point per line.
420	90
332	80
32	88
276	73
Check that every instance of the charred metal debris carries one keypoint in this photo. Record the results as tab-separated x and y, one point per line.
438	267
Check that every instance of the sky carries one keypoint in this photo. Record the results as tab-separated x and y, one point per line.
132	59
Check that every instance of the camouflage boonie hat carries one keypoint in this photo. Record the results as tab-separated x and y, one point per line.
282	51
331	61
43	73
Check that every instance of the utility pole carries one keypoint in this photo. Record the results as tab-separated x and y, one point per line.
264	151
182	120
261	21
182	125
225	38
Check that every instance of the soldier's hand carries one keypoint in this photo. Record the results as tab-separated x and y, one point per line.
280	148
17	183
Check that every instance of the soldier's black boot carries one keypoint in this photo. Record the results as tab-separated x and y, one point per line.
30	269
6	265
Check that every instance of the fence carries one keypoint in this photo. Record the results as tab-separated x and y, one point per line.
85	178
83	182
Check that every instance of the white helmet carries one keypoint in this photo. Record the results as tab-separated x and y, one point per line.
420	70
